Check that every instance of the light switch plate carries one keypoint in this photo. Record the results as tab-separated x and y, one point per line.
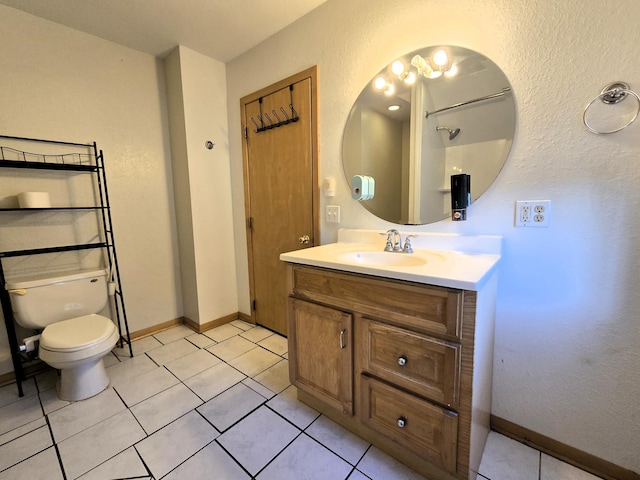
332	214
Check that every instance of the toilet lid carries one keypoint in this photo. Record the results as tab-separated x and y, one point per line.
77	333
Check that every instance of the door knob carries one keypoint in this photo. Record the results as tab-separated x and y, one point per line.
304	240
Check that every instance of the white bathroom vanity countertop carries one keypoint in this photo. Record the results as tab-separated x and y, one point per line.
457	261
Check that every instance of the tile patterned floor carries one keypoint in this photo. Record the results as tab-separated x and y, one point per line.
207	406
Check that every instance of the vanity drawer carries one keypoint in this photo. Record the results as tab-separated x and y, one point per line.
425	308
427	366
424	428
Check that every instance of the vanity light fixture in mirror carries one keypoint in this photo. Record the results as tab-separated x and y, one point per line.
430	114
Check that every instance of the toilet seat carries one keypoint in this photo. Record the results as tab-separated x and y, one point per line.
78	333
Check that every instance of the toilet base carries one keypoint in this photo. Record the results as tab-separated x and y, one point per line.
83	381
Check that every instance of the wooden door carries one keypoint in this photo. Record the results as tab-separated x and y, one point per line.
280	187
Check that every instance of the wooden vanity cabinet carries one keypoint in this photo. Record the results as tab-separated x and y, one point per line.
404	365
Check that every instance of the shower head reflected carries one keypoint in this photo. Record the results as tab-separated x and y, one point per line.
453	133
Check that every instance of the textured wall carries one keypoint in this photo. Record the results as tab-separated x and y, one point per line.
57	83
568	336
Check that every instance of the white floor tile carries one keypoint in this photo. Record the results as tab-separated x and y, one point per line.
357	475
211	462
146	385
51	402
258	439
242	325
110	359
377	465
127	370
214	381
183	441
79	416
288	405
230	406
554	469
94	446
275	378
124	465
192	364
232	348
9	393
23	430
200	340
259	388
255	361
43	466
139	347
169	447
173	334
256	334
163	408
275	343
506	459
223	332
172	351
24	447
47	380
338	439
19	413
306	458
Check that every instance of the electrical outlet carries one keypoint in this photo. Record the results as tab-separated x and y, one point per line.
332	214
533	213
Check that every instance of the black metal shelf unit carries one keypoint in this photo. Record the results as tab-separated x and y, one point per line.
92	163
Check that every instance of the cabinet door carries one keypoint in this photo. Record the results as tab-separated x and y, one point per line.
321	352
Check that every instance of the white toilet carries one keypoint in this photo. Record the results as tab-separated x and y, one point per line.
75	339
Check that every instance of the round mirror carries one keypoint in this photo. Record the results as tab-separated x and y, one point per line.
431	114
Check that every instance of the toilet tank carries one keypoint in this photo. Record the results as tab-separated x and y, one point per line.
40	301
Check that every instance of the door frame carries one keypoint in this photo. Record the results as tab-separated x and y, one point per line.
312	74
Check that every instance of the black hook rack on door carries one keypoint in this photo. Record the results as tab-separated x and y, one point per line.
263	126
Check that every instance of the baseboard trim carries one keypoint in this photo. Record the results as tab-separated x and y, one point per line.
145	332
196	327
246	318
583	460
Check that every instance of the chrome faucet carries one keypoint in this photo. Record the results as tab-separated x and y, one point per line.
394	242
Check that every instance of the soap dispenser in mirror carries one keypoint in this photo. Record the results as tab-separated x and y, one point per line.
460	196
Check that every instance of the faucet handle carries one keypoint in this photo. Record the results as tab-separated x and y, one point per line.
407	244
389	245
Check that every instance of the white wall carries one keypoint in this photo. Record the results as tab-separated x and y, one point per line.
57	83
196	87
568	336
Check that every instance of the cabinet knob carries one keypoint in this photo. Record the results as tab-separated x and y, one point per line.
304	240
402	361
401	422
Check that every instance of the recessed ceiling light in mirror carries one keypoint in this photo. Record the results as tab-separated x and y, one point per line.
393	108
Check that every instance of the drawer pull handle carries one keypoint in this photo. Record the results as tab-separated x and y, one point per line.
342	345
402	361
401	422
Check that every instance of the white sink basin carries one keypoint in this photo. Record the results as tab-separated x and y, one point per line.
389	259
447	260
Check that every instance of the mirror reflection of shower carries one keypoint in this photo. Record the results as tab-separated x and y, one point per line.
453	132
